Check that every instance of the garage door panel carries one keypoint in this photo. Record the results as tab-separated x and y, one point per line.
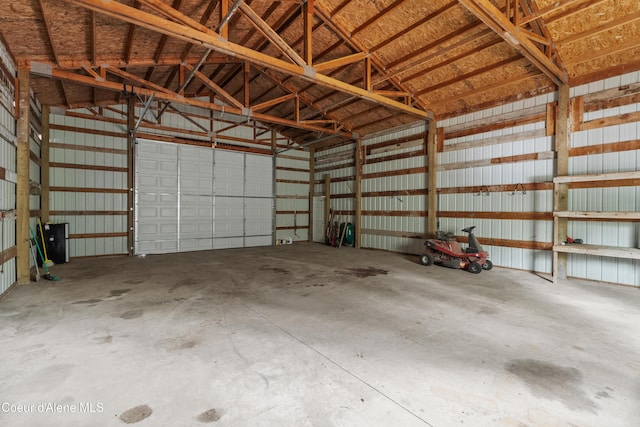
194	198
259	216
257	167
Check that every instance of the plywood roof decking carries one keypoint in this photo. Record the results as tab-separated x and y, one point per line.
442	56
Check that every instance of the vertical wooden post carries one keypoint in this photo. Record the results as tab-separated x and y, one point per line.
561	191
274	186
312	191
327	197
358	195
432	170
308	31
22	186
224	11
45	202
131	163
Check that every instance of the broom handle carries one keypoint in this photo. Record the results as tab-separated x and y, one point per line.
44	264
44	247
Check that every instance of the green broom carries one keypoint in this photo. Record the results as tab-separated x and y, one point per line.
48	275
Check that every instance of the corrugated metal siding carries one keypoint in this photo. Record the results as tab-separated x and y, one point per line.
8	164
85	207
624	234
292	196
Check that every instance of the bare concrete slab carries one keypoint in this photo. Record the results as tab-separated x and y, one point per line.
307	335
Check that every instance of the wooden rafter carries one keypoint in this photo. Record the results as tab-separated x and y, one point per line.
47	26
271	35
628	19
211	40
228	98
558	4
378	16
498	22
128	45
307	33
128	76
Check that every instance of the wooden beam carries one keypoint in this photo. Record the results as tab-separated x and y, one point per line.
44	170
327	197
308	10
561	190
128	76
226	96
431	143
340	62
22	185
514	36
359	157
271	35
273	102
312	190
57	73
210	39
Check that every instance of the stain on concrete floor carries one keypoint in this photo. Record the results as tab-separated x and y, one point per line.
135	415
553	382
209	416
132	314
363	273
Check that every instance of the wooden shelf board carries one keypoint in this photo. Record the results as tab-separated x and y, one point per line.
597	215
596	177
598	250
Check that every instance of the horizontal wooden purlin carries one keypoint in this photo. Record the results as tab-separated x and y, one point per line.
35	159
291	227
88	213
87	167
213	41
36	213
98	235
395	213
614	147
411	154
389	233
292	212
533	216
504	188
283	168
497	120
612	103
611	94
341	179
100	256
57	73
610	121
289	197
545	155
599	216
89	190
399	146
394	143
395	193
520	121
336	167
292	181
398	172
64	146
339	62
8	254
485	142
54	126
343	196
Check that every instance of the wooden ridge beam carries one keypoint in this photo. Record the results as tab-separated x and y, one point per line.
210	39
514	36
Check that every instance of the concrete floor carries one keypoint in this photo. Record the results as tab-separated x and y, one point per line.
307	335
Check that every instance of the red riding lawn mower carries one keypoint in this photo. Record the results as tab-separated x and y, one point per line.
445	250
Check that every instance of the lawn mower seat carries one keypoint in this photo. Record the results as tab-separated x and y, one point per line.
447	236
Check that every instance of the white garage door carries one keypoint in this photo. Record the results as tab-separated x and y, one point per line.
195	198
